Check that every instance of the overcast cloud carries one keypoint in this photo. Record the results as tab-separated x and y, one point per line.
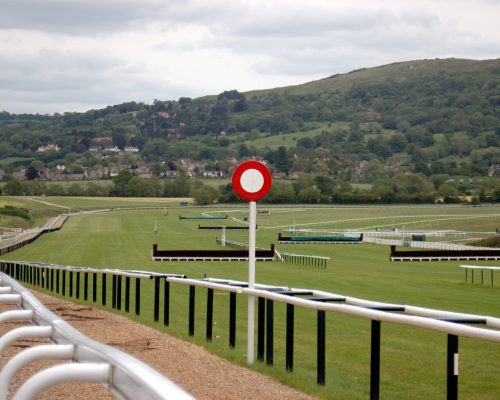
75	55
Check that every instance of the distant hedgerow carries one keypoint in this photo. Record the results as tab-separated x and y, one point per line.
15	212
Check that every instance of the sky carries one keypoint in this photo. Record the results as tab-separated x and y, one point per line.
76	55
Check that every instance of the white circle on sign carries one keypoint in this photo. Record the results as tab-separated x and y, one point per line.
252	180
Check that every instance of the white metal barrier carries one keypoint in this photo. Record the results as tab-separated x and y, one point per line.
125	376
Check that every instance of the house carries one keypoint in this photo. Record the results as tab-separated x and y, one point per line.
49	147
112	149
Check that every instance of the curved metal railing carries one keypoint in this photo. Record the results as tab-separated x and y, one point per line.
125	376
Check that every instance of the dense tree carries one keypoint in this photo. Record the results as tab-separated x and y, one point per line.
13	188
31	173
120	182
205	195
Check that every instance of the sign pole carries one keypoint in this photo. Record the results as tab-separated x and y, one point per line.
251	283
251	181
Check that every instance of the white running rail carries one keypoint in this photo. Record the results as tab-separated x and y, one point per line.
125	376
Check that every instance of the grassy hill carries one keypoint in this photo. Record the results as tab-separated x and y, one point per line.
400	71
430	116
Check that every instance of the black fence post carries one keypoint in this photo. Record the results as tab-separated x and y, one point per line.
269	332
321	347
103	289
166	303
57	281
94	287
156	315
78	285
85	286
375	361
232	319
51	279
113	291
289	336
127	294
70	283
137	296
191	309
119	292
452	368
210	313
63	281
261	326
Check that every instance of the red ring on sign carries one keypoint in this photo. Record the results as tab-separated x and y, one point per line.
236	180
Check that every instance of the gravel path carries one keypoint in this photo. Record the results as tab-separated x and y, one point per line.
204	375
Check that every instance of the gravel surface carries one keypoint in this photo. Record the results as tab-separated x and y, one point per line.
202	374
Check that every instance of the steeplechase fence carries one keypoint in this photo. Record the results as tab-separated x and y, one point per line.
227	228
210	255
202	217
444	255
328	239
454	325
86	360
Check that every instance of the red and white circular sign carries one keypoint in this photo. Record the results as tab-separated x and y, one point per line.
251	180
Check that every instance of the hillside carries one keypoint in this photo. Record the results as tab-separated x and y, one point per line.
427	116
399	72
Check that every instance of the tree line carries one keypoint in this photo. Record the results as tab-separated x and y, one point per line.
307	189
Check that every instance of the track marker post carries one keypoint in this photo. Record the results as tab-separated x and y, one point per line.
251	181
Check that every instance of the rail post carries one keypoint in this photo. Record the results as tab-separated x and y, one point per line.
289	336
232	320
156	315
191	309
70	283
210	313
138	296
103	290
119	292
269	332
452	368
78	285
94	287
113	291
261	326
127	294
85	286
166	303
321	348
63	281
375	361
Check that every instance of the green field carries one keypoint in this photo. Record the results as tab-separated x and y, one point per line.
413	362
290	139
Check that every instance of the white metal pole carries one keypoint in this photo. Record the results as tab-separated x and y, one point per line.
251	282
20	360
91	372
